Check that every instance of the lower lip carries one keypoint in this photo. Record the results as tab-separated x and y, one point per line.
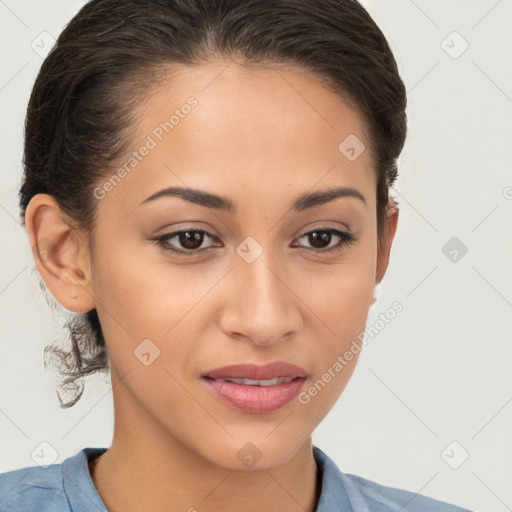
255	399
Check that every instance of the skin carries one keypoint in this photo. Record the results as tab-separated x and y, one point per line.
260	137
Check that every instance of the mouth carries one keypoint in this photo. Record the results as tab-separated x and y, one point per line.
254	372
253	382
256	389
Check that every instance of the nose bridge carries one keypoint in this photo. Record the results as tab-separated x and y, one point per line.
264	309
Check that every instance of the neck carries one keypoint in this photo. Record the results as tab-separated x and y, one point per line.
157	472
139	486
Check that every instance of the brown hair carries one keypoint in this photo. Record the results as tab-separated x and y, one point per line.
112	52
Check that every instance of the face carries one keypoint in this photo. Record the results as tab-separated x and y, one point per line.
249	277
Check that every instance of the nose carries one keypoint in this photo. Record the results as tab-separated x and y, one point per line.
262	306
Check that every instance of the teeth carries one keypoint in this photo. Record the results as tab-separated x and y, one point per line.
268	382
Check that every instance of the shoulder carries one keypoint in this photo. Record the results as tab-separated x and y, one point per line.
62	487
363	495
394	499
33	488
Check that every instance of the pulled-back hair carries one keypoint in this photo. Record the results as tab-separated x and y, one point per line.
113	52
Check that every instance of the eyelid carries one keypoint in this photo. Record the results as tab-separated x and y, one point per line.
161	240
346	238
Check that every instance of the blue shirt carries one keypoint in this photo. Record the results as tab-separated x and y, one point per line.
68	487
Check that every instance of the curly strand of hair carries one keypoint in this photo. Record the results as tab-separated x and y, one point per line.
88	354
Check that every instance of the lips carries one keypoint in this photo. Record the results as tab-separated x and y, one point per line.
257	372
256	389
256	382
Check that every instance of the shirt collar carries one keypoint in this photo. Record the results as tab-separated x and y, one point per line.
83	496
78	485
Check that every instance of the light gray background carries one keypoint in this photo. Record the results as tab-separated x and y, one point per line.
440	371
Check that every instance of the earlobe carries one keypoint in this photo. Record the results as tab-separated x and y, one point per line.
61	254
384	251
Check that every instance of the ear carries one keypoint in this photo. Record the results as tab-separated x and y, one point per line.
61	253
384	251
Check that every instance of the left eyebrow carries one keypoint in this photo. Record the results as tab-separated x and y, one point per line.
318	198
215	202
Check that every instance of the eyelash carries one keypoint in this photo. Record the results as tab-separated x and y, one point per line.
346	239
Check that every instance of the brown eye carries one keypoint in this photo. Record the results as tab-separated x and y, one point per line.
186	241
318	239
321	239
191	239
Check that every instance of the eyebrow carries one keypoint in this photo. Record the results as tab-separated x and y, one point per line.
215	202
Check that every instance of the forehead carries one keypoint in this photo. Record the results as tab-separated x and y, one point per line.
226	126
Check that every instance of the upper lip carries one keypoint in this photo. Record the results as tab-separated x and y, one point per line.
257	372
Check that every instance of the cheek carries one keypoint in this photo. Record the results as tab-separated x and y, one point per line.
344	311
340	294
141	296
341	302
125	304
132	292
343	307
345	304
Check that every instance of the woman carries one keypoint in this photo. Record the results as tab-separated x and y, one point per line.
207	187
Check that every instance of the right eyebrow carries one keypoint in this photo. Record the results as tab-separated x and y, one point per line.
199	197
